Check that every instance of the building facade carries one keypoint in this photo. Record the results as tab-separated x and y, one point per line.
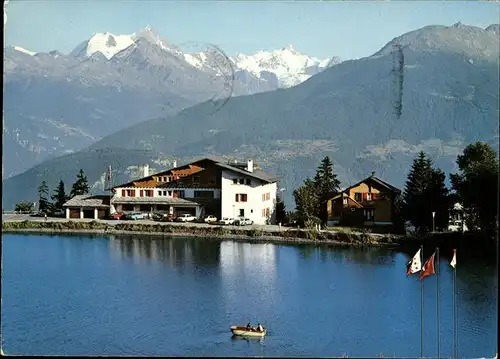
369	202
207	186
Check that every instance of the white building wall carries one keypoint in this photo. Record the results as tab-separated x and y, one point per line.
254	205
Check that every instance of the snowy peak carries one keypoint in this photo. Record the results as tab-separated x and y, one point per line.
20	49
288	65
106	43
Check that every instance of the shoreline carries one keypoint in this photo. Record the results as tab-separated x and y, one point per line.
297	236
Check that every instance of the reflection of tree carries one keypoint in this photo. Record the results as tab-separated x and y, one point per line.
176	252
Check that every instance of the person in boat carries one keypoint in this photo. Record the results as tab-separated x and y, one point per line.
260	328
249	326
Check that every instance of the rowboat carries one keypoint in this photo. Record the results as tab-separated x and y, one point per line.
244	332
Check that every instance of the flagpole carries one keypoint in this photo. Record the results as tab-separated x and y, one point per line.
421	307
437	298
455	308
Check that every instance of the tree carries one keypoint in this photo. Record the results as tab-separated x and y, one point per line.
476	186
59	196
43	192
24	207
425	192
326	182
280	210
81	186
307	202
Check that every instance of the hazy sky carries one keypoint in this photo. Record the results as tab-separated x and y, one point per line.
321	29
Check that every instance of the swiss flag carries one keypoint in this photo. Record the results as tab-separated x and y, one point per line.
428	268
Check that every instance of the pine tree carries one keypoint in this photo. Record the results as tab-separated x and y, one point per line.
280	210
81	186
476	186
326	182
59	196
43	192
425	192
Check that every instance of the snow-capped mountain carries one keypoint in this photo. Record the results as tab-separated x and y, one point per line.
286	67
18	48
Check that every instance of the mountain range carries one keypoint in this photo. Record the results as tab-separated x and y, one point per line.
58	103
433	89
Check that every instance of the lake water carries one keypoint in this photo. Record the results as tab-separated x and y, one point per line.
82	295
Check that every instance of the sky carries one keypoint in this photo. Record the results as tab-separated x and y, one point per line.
348	29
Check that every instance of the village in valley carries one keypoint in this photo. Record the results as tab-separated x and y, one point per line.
214	190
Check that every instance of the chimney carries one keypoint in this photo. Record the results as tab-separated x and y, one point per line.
146	170
373	174
250	166
175	164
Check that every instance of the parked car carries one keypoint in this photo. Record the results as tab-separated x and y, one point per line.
227	220
243	221
136	216
158	216
59	213
117	216
210	219
169	218
186	218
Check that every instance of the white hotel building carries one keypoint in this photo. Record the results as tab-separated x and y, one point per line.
207	186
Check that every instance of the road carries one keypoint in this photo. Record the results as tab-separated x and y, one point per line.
27	217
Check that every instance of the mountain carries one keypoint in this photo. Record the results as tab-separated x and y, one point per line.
434	89
56	103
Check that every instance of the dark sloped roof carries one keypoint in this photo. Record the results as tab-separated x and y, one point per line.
94	201
378	181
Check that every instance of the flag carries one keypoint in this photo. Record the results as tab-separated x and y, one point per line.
453	262
428	268
109	173
415	264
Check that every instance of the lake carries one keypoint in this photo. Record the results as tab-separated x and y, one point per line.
123	295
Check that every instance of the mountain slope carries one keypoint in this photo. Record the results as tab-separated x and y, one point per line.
447	96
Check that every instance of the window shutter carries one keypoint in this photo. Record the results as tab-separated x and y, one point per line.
236	197
365	196
124	193
132	193
141	193
374	196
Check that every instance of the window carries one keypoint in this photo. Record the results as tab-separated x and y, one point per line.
141	193
267	212
181	194
196	179
203	194
235	181
368	196
149	193
242	212
263	212
268	196
249	181
145	208
243	197
237	197
357	196
170	193
132	193
369	214
344	201
164	193
263	197
242	181
123	193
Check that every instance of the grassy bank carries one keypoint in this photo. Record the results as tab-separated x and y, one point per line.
287	235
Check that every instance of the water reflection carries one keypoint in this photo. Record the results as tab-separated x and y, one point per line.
174	252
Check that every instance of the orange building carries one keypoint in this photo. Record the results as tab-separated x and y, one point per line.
368	203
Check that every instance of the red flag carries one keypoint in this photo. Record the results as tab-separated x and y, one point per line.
428	268
109	173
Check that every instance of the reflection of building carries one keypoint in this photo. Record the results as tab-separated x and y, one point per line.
457	219
207	186
251	258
